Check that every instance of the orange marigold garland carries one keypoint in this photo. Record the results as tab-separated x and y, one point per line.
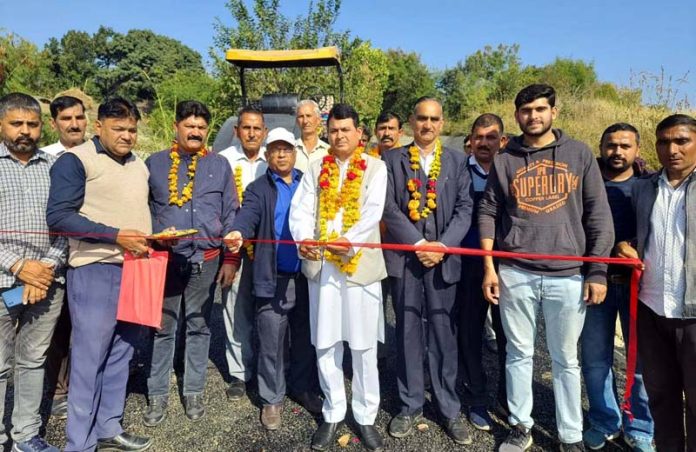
414	184
187	191
248	246
331	200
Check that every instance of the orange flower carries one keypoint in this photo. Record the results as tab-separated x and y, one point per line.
414	184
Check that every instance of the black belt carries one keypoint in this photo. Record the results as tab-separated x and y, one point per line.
618	279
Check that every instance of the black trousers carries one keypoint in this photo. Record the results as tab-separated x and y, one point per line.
58	357
667	349
473	308
423	293
282	323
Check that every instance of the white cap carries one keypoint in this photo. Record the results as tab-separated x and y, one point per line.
280	134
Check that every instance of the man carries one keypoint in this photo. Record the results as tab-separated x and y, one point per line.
30	265
309	147
665	222
69	120
239	310
99	196
619	149
487	138
282	303
388	130
428	203
544	195
190	188
340	201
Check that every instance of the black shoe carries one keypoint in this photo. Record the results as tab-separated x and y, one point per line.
156	411
236	390
370	437
309	401
573	447
193	405
325	435
402	425
456	429
59	408
124	442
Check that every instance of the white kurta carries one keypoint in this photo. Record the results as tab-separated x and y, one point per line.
339	312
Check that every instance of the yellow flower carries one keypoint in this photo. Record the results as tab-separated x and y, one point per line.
187	191
416	196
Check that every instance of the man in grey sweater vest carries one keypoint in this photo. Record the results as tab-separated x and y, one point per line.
99	196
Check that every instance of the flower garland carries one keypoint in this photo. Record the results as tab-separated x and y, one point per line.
248	246
187	191
414	184
331	199
374	152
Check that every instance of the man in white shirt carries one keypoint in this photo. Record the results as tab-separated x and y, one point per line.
239	304
309	146
665	225
68	118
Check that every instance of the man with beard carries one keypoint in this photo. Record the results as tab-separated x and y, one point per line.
239	306
428	203
190	188
68	118
99	198
665	218
388	131
619	149
31	269
487	138
309	146
544	195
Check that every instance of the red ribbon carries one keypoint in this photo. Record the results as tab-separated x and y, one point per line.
636	265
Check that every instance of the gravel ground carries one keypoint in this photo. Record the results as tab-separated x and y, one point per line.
235	426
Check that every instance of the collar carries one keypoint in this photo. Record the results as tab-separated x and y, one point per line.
5	153
475	164
240	155
662	177
296	176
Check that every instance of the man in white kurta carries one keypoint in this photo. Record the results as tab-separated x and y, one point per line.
344	307
239	305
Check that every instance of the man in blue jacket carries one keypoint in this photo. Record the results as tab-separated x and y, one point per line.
190	188
280	288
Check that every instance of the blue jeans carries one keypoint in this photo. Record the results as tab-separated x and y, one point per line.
597	360
522	294
188	298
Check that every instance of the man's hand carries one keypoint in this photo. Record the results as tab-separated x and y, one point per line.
234	241
35	273
226	275
430	258
133	241
340	246
594	293
491	289
309	252
624	249
32	294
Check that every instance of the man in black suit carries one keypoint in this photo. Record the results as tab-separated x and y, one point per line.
428	203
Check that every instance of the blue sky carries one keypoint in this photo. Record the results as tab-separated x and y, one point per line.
620	37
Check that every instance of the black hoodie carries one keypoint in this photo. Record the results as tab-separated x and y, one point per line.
549	200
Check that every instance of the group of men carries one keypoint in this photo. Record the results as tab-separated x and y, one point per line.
291	230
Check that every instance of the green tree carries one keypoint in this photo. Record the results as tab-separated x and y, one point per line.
366	75
23	67
409	79
73	60
569	76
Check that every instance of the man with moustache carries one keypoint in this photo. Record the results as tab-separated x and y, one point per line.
309	146
619	162
190	188
280	289
665	224
544	195
487	138
68	118
388	130
238	301
340	201
29	263
428	203
99	197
